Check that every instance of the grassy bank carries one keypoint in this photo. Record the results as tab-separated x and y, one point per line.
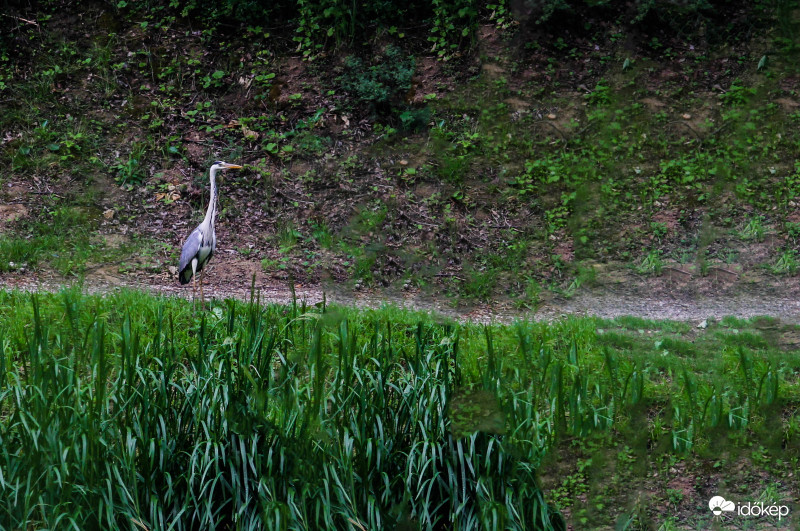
130	411
513	160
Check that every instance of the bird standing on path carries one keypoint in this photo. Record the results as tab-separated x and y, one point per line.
202	242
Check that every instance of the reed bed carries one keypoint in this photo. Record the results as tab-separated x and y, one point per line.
135	412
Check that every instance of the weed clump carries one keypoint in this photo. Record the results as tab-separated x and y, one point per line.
381	87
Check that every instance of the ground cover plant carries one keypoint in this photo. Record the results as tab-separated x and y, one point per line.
481	149
524	155
133	411
258	418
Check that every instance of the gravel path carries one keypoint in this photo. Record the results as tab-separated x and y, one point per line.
598	302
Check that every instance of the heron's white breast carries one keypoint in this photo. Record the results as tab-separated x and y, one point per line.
202	254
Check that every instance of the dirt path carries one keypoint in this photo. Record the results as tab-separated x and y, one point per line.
648	302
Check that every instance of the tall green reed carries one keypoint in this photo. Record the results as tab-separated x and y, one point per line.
248	417
133	412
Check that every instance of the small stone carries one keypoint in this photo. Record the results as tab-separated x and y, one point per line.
686	116
108	214
173	270
704	324
551	116
404	162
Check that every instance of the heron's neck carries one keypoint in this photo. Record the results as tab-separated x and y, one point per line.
212	201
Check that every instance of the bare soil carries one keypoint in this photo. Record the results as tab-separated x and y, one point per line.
677	295
324	187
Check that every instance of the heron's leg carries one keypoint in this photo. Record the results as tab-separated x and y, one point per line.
194	281
202	297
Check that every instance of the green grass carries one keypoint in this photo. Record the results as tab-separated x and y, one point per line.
60	239
63	239
578	181
130	408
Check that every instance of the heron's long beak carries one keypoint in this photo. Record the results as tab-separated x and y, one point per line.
232	166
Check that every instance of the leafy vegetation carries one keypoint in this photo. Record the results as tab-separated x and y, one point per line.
494	153
381	87
492	179
46	240
134	411
278	418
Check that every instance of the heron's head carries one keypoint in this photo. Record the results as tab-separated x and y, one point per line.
219	165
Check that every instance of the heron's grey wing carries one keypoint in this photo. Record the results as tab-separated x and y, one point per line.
190	249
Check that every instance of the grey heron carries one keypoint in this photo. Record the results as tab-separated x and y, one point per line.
199	247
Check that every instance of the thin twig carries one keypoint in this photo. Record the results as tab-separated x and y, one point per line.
554	126
678	270
720	128
449	275
717	268
423	223
692	129
583	130
32	22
